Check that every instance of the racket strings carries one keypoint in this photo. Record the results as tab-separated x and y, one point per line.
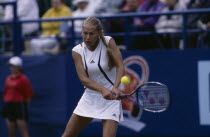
154	98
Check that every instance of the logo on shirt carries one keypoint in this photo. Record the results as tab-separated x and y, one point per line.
92	62
114	115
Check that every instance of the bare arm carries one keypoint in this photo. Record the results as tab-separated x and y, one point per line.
85	79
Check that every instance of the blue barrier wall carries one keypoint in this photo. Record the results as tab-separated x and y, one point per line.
57	91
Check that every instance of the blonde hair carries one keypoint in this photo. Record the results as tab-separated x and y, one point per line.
97	24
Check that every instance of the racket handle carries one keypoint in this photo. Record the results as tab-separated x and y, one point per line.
121	96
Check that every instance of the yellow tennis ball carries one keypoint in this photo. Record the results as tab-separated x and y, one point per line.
125	80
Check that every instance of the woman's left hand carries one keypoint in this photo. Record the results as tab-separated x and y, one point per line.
116	92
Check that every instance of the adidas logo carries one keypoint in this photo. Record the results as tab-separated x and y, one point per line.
114	115
92	62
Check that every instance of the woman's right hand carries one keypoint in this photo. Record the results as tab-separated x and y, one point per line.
107	94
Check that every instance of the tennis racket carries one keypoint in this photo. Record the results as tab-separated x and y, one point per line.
151	96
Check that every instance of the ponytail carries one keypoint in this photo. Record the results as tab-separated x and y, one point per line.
111	62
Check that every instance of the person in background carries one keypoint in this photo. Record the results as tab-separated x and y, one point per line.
109	7
146	23
17	95
2	33
44	5
132	5
194	19
26	10
170	24
118	26
203	23
185	3
148	6
82	10
1	11
47	41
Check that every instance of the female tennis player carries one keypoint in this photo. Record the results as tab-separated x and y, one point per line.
99	67
17	94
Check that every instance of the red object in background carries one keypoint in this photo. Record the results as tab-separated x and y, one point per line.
128	104
135	81
17	89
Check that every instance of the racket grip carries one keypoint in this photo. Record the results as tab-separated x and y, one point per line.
121	96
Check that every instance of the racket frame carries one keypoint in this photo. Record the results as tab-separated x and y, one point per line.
123	96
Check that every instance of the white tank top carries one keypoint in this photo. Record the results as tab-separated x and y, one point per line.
96	65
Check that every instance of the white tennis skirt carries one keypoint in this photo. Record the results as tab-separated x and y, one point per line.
93	105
